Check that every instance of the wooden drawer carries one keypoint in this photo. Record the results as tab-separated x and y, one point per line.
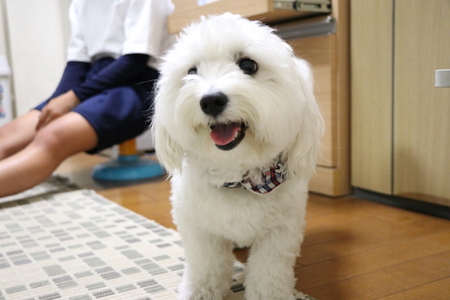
318	52
187	11
329	58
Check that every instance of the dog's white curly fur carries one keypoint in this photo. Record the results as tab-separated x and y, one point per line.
278	106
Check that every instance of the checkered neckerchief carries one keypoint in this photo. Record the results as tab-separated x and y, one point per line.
270	179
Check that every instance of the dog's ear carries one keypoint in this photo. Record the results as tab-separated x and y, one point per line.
302	155
168	151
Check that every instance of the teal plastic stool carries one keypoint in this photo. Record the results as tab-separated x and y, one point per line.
128	166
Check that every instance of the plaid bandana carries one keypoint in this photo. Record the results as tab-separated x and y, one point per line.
270	179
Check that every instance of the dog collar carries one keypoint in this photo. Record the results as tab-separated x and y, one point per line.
269	180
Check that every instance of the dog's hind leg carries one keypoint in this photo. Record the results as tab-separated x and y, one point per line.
209	266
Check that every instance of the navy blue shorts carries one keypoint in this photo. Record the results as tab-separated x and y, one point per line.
120	113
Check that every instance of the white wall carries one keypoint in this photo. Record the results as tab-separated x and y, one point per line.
6	111
2	30
37	32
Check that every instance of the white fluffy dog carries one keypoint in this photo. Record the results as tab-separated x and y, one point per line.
237	127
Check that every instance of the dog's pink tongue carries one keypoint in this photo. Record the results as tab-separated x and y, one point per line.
223	134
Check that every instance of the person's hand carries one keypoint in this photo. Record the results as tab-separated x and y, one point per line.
57	107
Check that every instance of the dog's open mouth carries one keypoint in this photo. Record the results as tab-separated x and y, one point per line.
227	136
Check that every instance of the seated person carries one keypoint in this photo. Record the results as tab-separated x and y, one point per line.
103	98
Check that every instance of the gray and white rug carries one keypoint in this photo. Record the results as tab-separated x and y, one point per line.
78	245
55	184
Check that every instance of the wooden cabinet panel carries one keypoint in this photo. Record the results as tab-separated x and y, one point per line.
400	120
332	177
332	174
187	11
371	67
318	51
422	111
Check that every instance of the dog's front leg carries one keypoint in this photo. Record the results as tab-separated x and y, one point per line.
209	266
270	269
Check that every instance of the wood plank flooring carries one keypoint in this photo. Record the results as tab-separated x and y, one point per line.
353	249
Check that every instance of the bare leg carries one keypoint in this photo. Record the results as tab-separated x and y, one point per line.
17	134
55	142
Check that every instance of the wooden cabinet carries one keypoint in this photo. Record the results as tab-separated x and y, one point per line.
329	56
400	120
187	11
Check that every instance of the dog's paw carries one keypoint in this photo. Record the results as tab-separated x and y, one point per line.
199	294
300	296
258	295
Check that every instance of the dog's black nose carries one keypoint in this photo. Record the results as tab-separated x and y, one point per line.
214	104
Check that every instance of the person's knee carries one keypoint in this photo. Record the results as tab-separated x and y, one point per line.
51	140
6	143
66	136
3	153
17	134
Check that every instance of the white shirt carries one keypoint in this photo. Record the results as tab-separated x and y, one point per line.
118	27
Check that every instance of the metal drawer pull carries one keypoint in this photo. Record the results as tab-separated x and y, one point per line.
323	6
442	78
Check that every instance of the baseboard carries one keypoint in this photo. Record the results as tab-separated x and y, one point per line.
427	208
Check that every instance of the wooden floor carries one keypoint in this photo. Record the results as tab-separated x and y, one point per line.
353	249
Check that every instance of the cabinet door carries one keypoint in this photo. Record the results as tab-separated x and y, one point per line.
371	68
421	111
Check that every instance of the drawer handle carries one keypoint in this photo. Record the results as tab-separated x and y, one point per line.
322	6
442	78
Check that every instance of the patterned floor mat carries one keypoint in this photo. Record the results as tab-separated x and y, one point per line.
78	245
55	184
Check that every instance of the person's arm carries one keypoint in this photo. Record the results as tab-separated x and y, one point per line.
63	99
118	73
74	87
144	24
57	107
74	75
77	49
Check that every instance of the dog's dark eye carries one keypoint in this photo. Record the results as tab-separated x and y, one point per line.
192	71
248	66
